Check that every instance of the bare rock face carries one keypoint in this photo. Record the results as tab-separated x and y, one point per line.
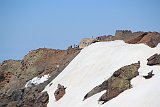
59	93
150	75
41	100
8	71
30	97
46	61
135	39
117	83
151	39
14	75
154	60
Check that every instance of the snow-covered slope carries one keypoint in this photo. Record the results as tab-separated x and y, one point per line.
95	64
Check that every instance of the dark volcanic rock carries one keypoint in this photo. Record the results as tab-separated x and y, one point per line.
117	83
42	99
154	60
150	74
28	97
39	100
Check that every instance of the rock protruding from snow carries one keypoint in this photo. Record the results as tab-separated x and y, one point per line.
97	63
97	89
117	83
154	60
59	93
150	74
120	81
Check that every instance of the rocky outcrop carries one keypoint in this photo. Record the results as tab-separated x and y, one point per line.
59	93
149	38
86	42
8	73
97	89
154	60
14	75
117	83
26	97
135	39
120	81
105	38
125	35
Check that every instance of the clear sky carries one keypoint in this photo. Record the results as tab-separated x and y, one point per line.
30	24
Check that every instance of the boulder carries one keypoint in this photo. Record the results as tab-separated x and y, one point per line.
59	93
120	81
117	83
150	74
154	60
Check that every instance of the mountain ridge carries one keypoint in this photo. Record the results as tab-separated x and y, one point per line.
14	74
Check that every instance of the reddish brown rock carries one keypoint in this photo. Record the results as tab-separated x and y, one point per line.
59	93
135	39
151	39
150	75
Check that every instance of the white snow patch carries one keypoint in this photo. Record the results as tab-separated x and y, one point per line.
96	63
36	80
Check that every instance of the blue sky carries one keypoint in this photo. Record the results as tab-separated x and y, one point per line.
30	24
